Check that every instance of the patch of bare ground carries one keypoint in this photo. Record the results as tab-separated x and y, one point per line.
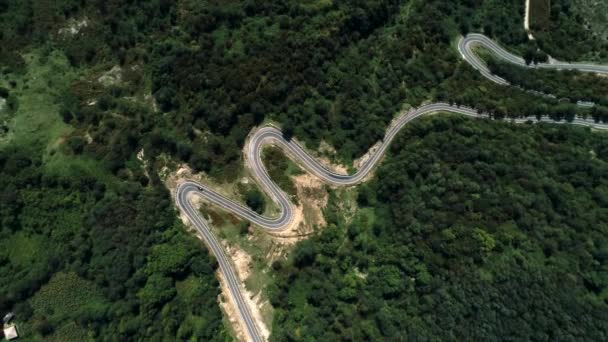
359	162
308	214
364	158
74	26
148	98
240	259
338	168
327	152
324	154
184	172
172	179
111	77
144	162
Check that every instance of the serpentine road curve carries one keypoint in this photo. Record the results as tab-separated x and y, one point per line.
272	136
470	41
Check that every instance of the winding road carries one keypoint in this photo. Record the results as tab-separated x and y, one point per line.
268	135
467	44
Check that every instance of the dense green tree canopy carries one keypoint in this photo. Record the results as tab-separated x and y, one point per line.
471	230
122	250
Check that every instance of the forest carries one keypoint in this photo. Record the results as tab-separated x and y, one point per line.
81	258
567	86
571	30
92	247
469	231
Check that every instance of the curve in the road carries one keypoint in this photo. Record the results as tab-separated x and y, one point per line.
468	43
272	136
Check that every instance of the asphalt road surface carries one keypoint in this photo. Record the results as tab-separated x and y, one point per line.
472	40
269	135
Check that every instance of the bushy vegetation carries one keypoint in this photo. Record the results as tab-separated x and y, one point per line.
280	168
567	86
104	257
476	230
571	30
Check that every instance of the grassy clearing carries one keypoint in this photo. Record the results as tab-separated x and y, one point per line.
65	295
23	249
58	163
368	214
293	169
36	121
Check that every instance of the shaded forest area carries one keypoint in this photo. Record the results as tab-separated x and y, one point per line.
471	230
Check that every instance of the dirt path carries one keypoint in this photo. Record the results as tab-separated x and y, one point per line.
527	20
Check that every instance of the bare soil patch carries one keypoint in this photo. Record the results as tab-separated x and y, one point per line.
359	162
338	168
308	214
